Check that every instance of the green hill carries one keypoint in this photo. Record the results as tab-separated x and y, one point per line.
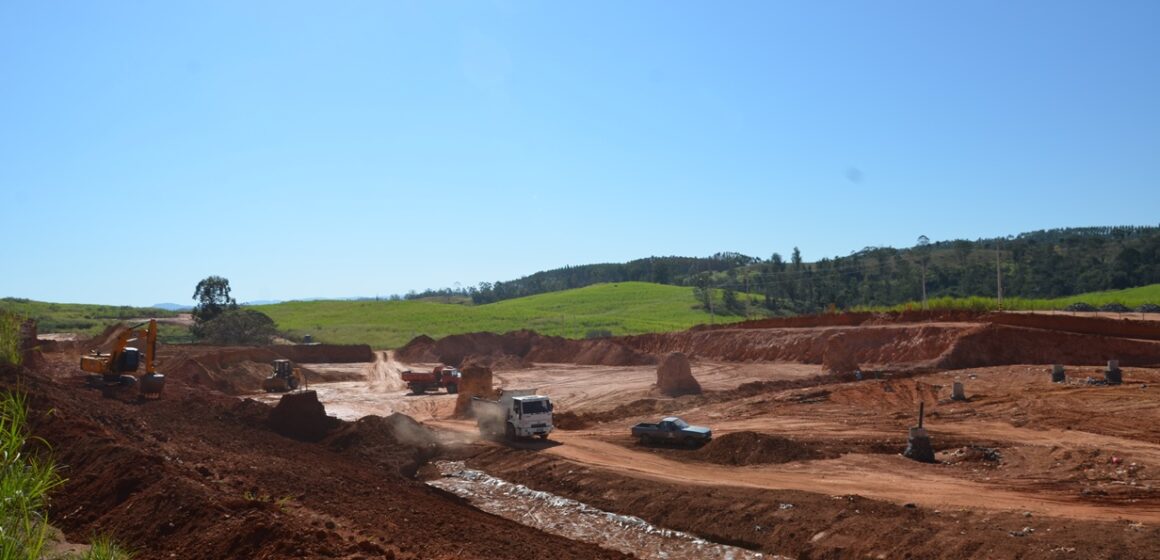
81	318
619	309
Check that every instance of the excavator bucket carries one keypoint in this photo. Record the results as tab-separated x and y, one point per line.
274	384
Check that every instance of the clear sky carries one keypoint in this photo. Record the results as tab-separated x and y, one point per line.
341	149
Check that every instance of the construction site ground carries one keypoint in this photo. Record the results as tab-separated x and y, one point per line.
805	461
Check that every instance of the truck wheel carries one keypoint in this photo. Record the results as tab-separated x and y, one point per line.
544	437
452	389
418	389
509	432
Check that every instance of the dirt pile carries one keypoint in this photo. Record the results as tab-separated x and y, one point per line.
675	376
838	356
751	448
420	350
476	382
301	416
497	361
396	443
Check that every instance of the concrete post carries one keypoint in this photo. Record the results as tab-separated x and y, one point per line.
1057	375
1113	375
957	392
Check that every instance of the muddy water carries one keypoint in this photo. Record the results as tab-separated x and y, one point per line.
577	521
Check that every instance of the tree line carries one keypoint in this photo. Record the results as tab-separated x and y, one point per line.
1040	264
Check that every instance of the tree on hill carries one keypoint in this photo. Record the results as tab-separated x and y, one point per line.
213	299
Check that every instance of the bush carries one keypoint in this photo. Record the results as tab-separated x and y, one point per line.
1114	307
1080	306
236	326
24	484
598	333
1149	308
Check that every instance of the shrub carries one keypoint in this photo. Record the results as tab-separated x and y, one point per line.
598	333
9	338
1114	307
1149	308
1080	306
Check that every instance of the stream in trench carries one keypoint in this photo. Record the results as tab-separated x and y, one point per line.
578	521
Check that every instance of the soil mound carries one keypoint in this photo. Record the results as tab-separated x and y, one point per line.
838	357
497	361
476	382
675	377
752	448
420	350
396	443
301	416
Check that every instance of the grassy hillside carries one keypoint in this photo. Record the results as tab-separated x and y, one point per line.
622	308
77	317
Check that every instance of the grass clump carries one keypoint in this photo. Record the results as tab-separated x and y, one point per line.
25	481
9	338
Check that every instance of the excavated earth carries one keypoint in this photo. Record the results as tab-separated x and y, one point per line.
809	417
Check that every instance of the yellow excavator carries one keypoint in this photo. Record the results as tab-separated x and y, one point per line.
285	377
115	371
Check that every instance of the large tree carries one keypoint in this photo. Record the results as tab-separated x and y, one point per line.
213	299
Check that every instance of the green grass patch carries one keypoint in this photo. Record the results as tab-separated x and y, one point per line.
620	309
1131	298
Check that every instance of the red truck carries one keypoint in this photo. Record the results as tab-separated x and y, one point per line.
441	376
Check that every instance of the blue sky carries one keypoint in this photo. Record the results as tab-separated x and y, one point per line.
340	149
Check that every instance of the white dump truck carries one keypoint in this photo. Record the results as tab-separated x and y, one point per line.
519	413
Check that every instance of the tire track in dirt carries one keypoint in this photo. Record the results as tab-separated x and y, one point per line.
890	478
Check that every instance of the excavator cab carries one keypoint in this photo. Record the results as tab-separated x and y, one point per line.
284	378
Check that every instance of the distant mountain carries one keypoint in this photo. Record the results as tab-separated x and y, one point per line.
262	302
173	307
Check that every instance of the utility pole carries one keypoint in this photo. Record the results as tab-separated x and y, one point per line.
924	255
998	276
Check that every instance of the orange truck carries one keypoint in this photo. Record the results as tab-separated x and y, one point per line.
442	376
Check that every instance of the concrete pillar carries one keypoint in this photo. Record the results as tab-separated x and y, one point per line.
1057	375
957	392
918	446
1113	375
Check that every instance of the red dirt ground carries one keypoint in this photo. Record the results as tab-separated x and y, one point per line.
804	463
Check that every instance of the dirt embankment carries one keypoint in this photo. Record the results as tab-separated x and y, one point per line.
886	345
199	474
1127	327
240	370
892	345
989	345
525	346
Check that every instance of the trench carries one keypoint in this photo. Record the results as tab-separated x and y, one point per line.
578	521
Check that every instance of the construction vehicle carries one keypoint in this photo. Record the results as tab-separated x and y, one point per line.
115	371
519	413
285	377
442	376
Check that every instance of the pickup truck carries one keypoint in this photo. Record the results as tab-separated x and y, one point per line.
672	430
